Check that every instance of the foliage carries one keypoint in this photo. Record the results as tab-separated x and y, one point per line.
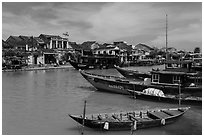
197	50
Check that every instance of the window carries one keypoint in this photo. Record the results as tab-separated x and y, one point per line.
54	44
110	52
176	79
155	78
65	44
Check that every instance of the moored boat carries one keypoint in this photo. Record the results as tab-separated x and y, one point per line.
157	95
111	84
133	74
78	66
131	120
120	85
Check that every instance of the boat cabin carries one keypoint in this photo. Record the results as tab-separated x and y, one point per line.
177	65
169	78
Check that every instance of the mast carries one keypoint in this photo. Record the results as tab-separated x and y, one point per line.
84	115
166	40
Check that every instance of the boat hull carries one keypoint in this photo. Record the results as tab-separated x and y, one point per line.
167	99
78	66
149	119
120	85
106	86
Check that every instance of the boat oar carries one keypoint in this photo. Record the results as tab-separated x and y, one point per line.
84	114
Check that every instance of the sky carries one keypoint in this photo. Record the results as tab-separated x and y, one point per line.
133	22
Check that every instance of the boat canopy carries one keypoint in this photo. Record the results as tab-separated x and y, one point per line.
153	91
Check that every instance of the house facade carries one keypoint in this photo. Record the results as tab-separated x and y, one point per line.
55	42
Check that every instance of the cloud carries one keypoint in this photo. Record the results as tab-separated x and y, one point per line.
125	20
190	34
106	22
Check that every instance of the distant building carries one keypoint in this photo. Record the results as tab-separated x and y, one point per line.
169	49
107	50
16	42
5	45
88	47
140	51
55	42
25	43
120	49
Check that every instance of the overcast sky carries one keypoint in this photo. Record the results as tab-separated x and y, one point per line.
132	22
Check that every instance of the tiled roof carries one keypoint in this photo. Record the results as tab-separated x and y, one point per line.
87	45
51	36
16	38
74	45
39	40
143	46
124	46
5	44
16	41
25	38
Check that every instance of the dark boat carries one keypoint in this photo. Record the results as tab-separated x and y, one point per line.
132	120
133	74
78	66
95	62
157	95
119	85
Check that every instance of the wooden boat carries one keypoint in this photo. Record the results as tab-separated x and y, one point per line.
111	84
182	98
132	120
78	66
120	85
95	61
133	74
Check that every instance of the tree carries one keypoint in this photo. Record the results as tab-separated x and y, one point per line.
197	50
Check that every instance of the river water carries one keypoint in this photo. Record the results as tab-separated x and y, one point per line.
37	103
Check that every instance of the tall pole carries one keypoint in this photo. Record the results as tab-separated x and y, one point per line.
84	114
179	92
166	38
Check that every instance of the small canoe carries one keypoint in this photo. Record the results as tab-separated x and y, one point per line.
131	120
184	98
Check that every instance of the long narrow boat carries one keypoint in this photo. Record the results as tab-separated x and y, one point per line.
132	120
133	74
111	84
183	98
120	85
78	66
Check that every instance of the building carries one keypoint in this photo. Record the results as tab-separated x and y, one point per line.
16	42
107	50
5	45
25	43
140	51
55	42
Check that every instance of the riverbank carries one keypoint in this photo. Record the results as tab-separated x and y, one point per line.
38	68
